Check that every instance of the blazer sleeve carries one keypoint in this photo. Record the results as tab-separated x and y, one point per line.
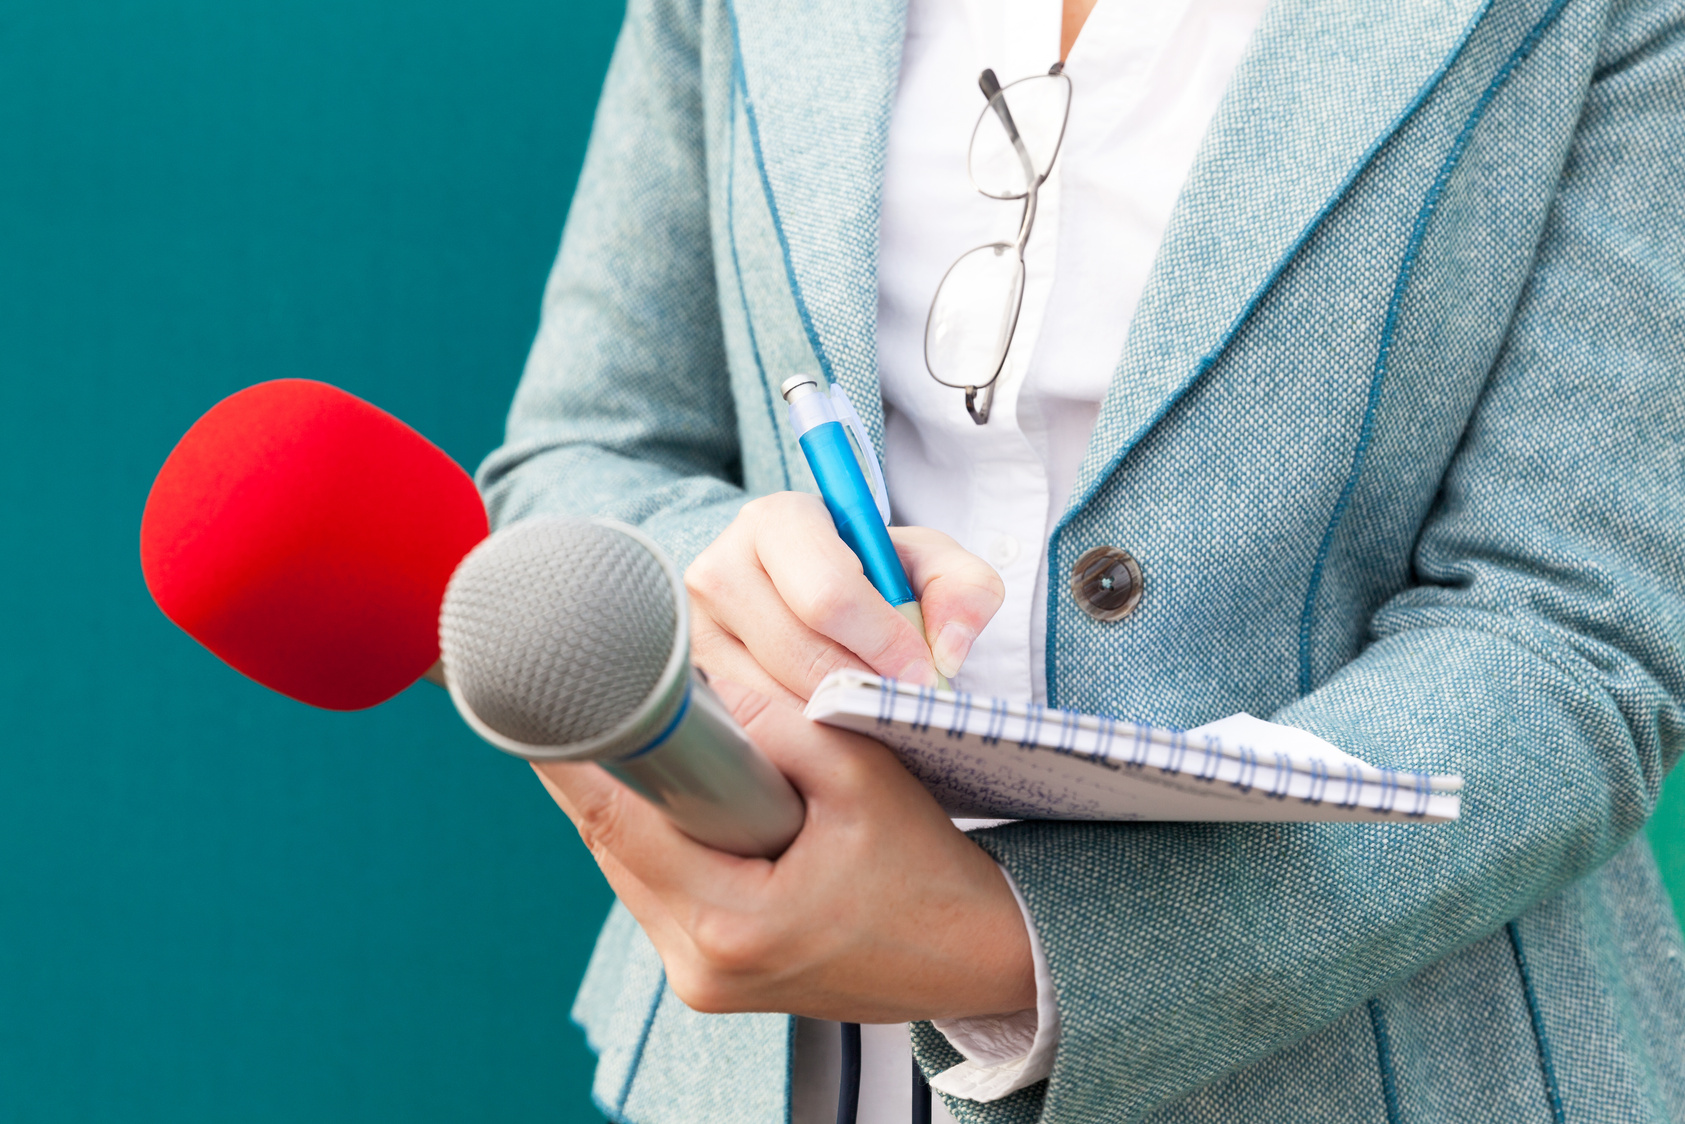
1541	652
625	408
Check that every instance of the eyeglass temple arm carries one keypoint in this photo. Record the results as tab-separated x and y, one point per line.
990	85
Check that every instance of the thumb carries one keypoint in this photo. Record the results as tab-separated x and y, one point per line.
958	592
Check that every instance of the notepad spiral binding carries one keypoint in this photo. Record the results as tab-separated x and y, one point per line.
1120	746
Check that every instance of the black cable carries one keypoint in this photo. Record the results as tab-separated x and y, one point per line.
921	1095
848	1088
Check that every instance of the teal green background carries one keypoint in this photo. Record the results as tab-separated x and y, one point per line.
1667	837
216	904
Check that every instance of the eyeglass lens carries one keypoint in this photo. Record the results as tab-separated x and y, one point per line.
972	316
1037	106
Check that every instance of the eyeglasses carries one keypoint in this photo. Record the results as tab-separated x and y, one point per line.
975	311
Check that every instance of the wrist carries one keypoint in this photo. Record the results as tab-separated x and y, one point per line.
1001	956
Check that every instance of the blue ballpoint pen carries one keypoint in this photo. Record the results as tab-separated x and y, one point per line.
862	522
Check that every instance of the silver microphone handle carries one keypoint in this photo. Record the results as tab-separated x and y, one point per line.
713	782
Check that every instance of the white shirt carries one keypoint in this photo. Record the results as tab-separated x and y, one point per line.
1146	77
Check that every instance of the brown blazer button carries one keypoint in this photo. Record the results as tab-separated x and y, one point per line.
1106	583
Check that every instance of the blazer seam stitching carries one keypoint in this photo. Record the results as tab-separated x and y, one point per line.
789	1069
607	1110
742	79
638	1049
742	289
1383	1059
1547	1069
1383	354
1210	358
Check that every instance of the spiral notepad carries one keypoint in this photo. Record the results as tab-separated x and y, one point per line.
994	758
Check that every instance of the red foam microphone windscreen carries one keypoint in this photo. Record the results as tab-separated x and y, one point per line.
306	538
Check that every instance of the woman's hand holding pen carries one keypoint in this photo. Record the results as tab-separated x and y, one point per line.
778	602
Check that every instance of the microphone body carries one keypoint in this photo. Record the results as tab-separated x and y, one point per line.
568	640
713	782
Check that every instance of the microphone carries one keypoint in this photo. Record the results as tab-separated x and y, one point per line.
569	640
305	537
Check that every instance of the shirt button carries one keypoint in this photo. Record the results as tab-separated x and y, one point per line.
1003	552
1106	583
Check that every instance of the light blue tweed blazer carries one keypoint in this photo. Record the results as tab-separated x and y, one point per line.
1399	441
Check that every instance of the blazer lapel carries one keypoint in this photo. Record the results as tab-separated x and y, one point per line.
1321	88
817	79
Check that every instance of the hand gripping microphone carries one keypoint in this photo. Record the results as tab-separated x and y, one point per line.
568	640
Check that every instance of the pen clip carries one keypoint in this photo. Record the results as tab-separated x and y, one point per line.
863	450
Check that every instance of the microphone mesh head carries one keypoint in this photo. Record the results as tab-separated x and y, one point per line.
555	630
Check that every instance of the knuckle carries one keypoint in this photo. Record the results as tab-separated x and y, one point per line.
805	502
974	583
780	511
706	576
702	991
786	500
598	817
707	641
732	944
823	605
773	507
826	660
748	707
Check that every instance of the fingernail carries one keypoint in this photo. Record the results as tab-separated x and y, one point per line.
953	644
919	673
